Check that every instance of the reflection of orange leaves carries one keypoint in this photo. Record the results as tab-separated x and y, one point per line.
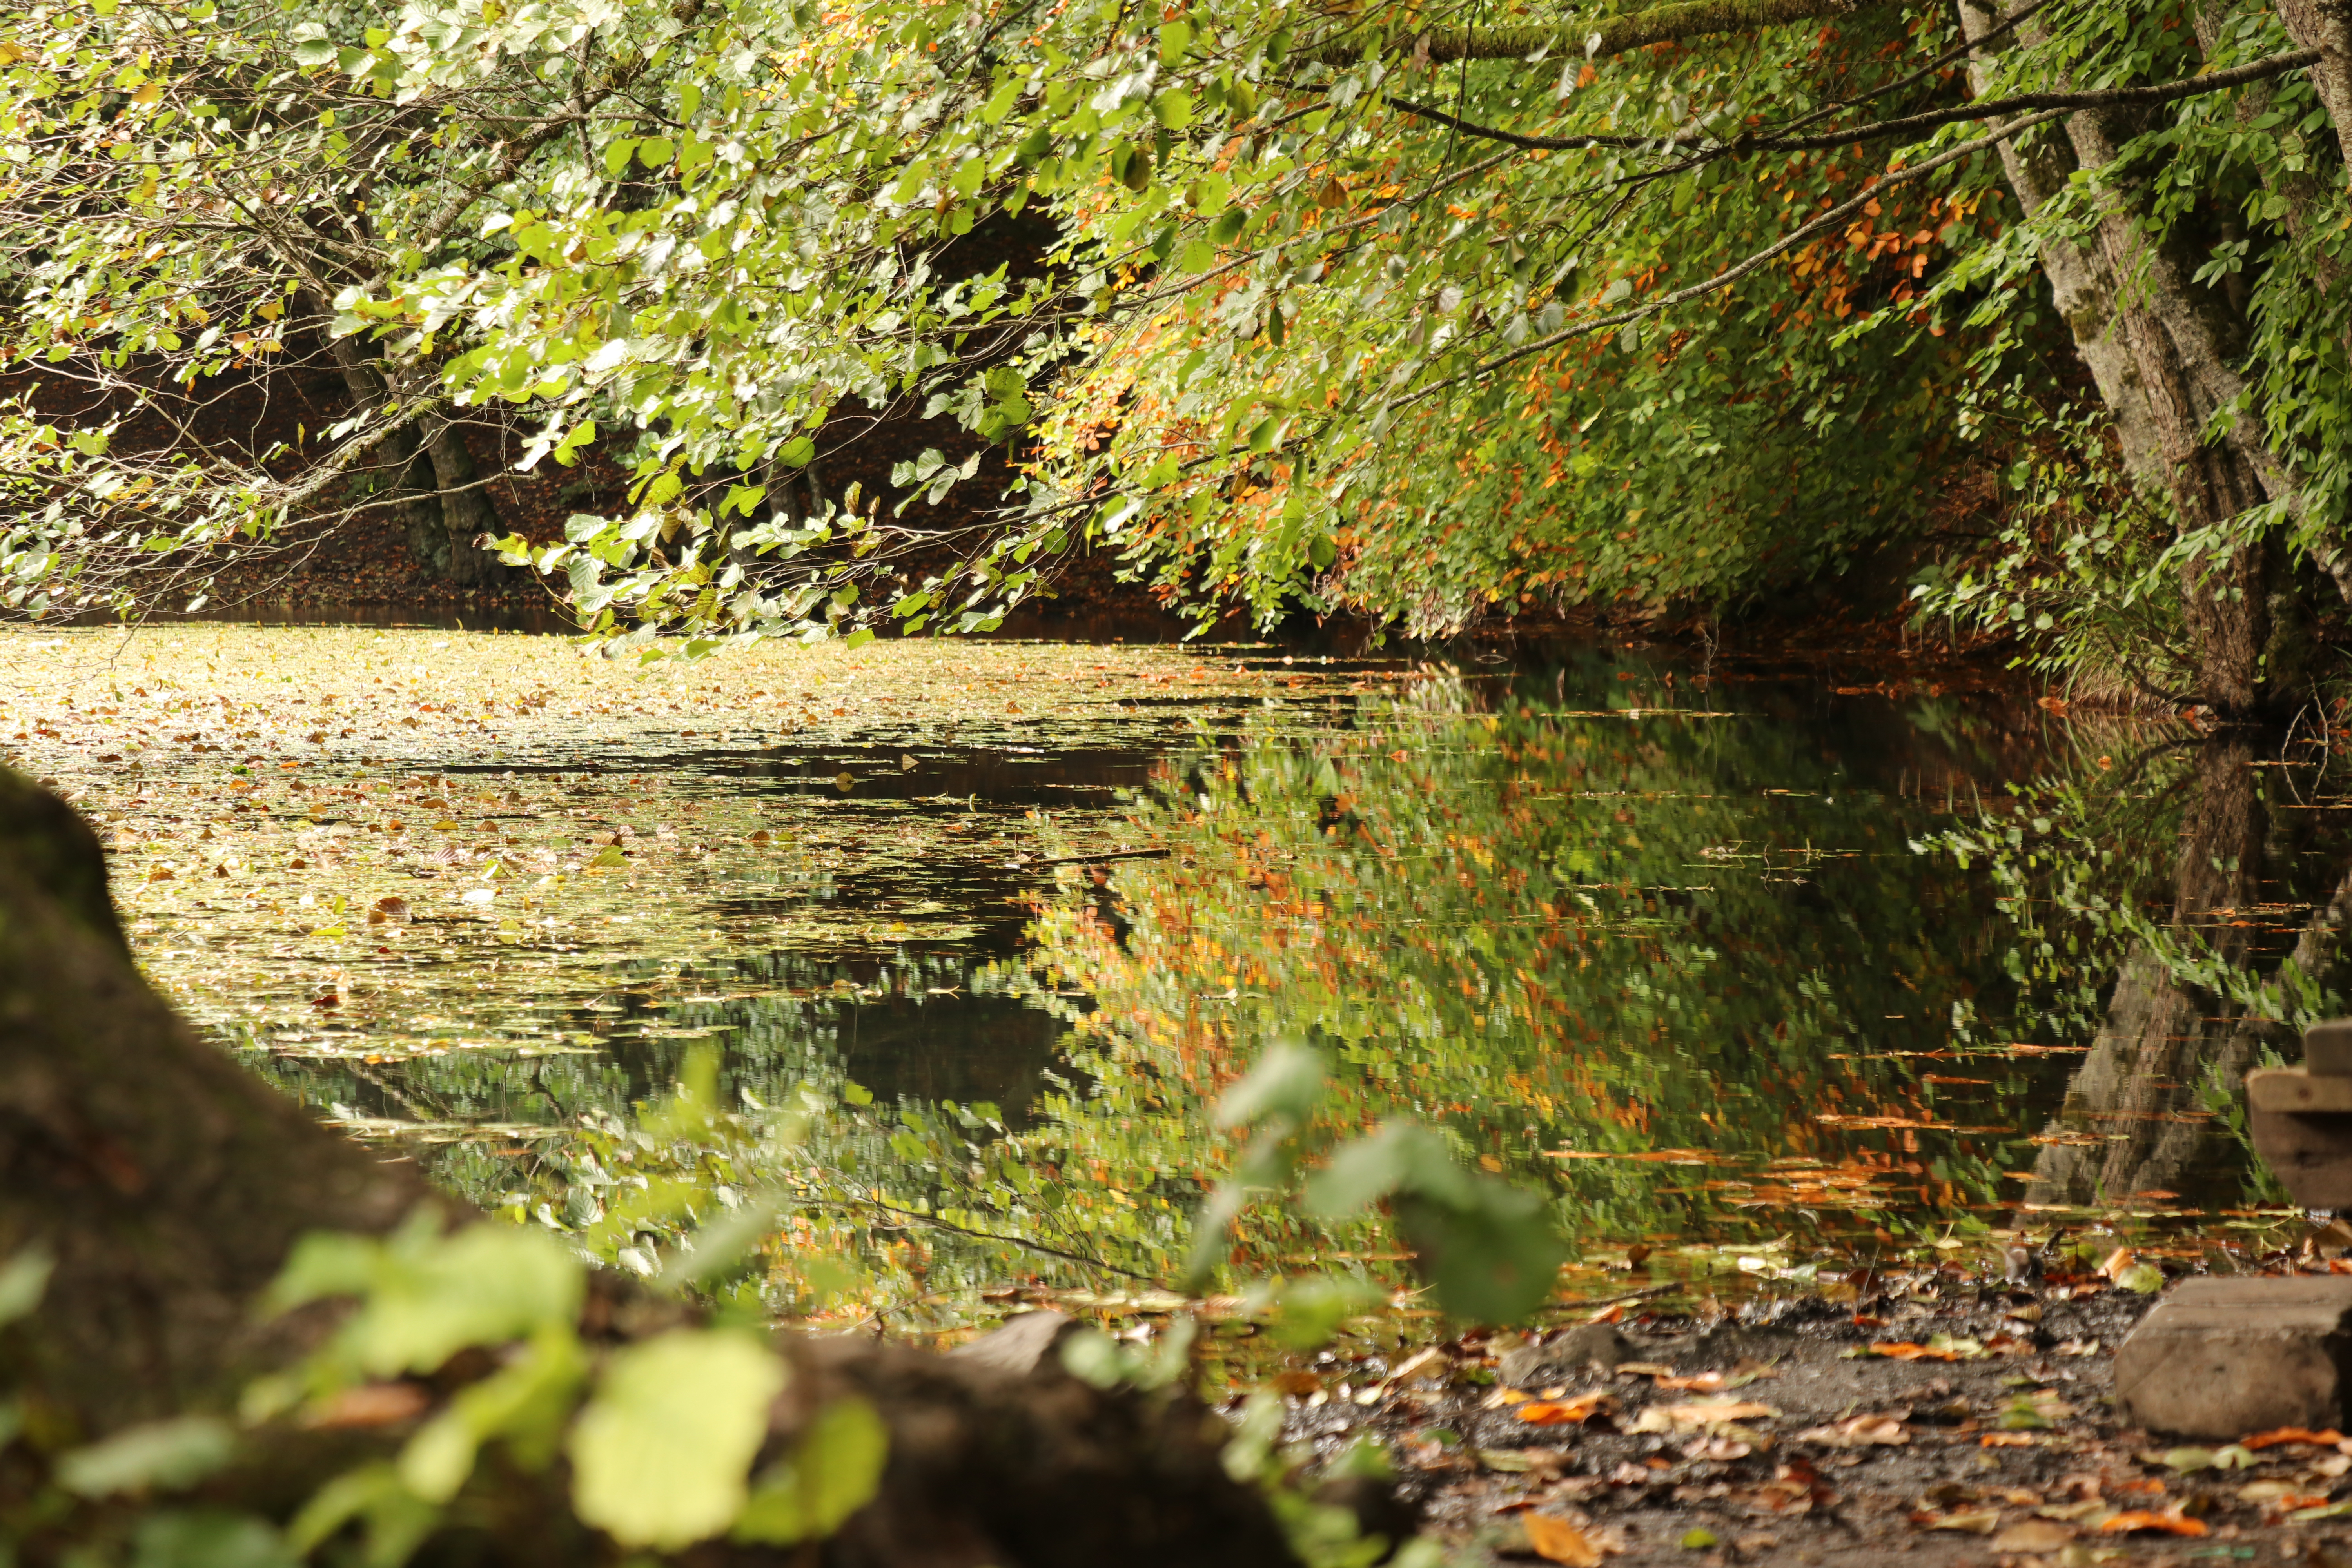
2173	1522
2327	1440
1567	1412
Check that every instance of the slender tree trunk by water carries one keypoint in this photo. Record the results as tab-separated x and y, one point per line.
433	479
2162	349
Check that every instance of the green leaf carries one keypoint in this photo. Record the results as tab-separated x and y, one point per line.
167	1454
426	1297
209	1538
525	1400
1285	1082
23	1279
834	1471
1493	1262
660	1456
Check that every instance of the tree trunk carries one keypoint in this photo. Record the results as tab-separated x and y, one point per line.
2160	349
2323	25
442	508
168	1185
468	519
404	471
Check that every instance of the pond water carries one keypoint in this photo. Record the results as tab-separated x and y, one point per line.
1756	971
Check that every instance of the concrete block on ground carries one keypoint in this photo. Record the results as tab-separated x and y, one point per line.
2225	1358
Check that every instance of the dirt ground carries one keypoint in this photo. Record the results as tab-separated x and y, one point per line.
1942	1417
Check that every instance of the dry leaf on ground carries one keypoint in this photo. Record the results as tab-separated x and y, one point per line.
1976	1522
2274	1437
1557	1541
1562	1413
2142	1519
1859	1431
1703	1412
2032	1535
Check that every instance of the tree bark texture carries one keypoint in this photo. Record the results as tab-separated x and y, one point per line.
468	519
2325	26
169	1184
433	479
2162	350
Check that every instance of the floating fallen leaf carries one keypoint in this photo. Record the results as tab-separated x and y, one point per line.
1859	1431
2171	1521
1698	1539
1557	1541
2279	1494
1559	1413
2005	1440
1939	1348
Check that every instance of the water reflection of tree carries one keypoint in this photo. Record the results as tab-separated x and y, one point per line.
1550	931
2218	908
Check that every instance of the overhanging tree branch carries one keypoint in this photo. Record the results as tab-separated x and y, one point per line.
1734	273
1907	125
1596	36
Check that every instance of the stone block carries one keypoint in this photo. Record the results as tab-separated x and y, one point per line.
2301	1125
2223	1358
2327	1048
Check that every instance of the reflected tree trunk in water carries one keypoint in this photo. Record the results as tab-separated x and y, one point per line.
2164	1038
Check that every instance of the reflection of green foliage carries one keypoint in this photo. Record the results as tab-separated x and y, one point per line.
1583	933
1540	934
2084	863
2169	872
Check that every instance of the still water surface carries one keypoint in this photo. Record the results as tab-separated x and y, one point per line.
1794	965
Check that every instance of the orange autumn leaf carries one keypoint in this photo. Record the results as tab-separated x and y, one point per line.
1705	1383
1557	1541
2272	1438
2141	1519
1563	1413
1903	1350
